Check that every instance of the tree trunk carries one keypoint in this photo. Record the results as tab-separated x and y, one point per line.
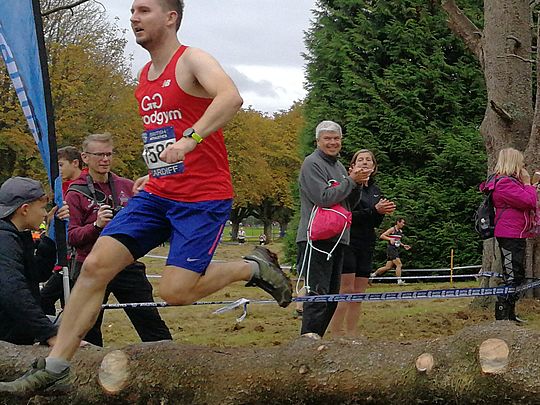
304	372
533	158
283	229
268	231
491	260
506	45
238	214
504	50
265	213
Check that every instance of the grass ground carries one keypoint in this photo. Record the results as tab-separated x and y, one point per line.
268	324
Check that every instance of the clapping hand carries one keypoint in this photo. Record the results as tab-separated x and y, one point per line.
385	206
360	174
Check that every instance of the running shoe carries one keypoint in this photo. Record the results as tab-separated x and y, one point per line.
270	277
38	379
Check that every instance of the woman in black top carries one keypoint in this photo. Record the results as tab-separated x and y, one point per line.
368	209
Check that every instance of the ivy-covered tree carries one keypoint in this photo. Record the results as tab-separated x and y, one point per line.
397	80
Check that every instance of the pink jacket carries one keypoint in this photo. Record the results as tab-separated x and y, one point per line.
515	206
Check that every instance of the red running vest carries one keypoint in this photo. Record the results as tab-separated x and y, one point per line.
163	103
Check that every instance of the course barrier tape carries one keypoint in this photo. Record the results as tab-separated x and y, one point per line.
424	277
363	297
473	275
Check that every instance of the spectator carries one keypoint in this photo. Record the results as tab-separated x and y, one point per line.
70	164
241	236
323	182
24	263
515	201
368	209
95	197
262	239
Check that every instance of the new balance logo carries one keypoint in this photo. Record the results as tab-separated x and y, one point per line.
166	83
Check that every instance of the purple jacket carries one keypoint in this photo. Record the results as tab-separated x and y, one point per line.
515	206
82	234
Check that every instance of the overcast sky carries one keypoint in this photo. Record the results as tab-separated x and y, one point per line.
258	42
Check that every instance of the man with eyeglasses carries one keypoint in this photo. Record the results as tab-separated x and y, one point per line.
95	197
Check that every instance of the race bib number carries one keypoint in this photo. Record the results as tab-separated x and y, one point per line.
155	142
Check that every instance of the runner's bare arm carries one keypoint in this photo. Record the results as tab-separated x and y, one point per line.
210	78
218	85
384	235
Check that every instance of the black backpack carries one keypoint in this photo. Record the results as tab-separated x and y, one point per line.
484	217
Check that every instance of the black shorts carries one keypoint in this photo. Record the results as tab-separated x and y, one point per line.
358	261
392	252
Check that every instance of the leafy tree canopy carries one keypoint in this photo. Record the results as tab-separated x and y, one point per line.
397	80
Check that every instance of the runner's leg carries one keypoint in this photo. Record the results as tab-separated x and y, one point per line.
381	270
398	264
181	286
108	257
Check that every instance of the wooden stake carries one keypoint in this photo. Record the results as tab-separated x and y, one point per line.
451	268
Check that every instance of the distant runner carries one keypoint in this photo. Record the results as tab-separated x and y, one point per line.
393	235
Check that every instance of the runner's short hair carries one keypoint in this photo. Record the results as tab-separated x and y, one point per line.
105	138
174	5
70	153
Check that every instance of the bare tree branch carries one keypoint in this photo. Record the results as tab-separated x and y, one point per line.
464	28
517	42
66	7
513	55
501	112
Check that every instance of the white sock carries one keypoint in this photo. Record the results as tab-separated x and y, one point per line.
56	365
254	268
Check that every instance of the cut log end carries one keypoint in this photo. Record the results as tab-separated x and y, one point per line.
424	363
493	356
114	372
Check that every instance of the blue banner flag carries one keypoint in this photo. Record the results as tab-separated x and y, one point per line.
23	49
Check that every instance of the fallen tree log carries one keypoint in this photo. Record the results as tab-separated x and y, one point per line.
305	371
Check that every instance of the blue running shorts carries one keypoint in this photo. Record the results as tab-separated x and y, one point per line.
194	228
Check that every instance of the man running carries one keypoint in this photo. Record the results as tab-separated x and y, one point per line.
184	99
393	235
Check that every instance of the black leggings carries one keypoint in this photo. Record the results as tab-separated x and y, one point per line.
513	263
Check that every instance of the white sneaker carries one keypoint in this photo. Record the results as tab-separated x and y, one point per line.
373	275
311	335
401	282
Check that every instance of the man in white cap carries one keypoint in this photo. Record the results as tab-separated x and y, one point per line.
25	263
